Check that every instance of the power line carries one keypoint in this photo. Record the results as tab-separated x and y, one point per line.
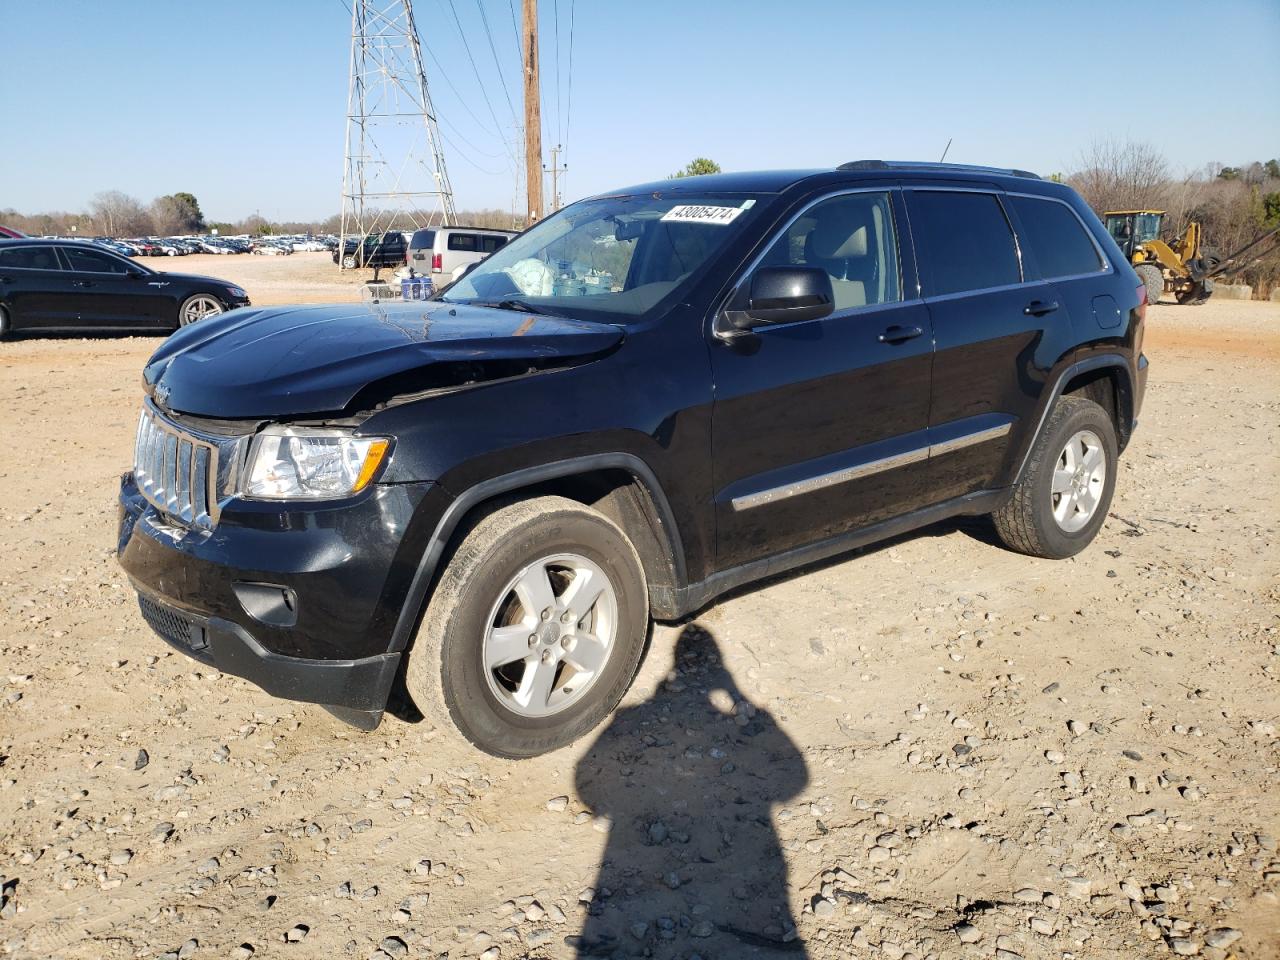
568	113
461	100
476	70
502	77
555	9
515	27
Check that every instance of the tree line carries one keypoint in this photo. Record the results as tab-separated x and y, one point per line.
1232	204
116	214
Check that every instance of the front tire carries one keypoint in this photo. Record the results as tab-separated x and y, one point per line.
1061	501
4	323
349	262
1152	279
534	630
197	307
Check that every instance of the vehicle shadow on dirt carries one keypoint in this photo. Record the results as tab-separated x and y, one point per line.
17	336
689	780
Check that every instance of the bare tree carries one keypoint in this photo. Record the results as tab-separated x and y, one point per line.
117	214
1122	176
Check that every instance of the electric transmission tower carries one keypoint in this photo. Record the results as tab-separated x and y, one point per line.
393	149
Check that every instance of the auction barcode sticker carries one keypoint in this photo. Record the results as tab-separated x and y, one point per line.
696	213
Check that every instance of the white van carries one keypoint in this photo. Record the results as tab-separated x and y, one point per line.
441	252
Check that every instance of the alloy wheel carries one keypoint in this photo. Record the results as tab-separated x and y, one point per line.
550	635
1079	478
199	307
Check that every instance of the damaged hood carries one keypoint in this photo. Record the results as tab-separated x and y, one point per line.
295	361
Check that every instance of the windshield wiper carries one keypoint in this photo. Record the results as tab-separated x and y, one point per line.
517	305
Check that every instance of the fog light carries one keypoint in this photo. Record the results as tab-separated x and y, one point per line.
268	603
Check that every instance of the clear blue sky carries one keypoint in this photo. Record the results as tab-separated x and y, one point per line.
241	102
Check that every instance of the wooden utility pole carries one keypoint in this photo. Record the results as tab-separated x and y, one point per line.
532	112
556	169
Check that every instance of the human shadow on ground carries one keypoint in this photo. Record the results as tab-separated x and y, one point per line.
689	780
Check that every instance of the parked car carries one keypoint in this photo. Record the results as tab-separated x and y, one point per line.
115	247
443	251
271	248
78	285
645	400
375	250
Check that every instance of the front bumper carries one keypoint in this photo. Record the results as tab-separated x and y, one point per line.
360	684
340	574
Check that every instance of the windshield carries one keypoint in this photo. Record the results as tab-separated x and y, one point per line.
614	259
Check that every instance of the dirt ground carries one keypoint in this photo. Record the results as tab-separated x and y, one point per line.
934	748
297	278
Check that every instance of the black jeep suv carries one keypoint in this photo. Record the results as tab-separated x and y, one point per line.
645	400
375	250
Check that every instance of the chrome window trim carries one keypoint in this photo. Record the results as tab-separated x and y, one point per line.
773	238
1106	267
845	474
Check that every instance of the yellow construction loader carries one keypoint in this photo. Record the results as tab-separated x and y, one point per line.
1182	266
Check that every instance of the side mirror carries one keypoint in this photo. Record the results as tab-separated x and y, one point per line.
785	295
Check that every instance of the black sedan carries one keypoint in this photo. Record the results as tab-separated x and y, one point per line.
78	286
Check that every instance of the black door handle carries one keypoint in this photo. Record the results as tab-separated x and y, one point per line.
897	334
82	283
6	279
1038	308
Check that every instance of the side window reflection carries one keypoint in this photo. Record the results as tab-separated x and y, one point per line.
852	238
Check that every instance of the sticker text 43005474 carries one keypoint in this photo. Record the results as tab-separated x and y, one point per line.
700	213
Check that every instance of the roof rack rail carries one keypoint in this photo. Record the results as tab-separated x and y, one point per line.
925	165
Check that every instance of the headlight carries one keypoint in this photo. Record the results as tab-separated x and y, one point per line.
294	463
236	292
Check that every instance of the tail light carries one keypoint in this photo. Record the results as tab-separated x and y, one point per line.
437	262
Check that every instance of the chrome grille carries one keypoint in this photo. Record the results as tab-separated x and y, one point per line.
176	471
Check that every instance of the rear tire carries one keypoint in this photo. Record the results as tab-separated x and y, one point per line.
1061	501
1152	279
349	262
516	670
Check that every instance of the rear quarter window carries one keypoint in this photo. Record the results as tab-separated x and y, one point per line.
30	258
1057	238
964	241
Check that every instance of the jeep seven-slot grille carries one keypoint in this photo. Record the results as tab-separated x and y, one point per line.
175	471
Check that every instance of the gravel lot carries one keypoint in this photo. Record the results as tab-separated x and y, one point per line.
934	748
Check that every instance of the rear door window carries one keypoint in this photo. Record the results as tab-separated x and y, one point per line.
30	258
1057	238
492	243
463	241
964	241
93	261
